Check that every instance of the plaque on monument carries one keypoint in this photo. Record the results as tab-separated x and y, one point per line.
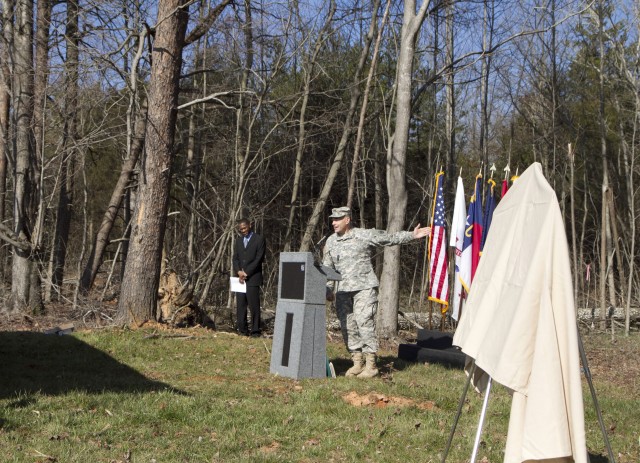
299	336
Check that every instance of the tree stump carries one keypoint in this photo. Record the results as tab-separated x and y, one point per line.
176	304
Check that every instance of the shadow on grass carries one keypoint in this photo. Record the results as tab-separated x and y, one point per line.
593	458
386	364
341	365
52	365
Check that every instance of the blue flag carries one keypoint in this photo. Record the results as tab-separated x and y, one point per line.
489	207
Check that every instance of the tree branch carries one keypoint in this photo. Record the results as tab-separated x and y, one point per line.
214	97
206	23
6	234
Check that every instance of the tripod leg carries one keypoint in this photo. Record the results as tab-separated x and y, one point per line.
476	444
587	375
459	412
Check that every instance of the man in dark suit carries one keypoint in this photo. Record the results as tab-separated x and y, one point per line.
248	256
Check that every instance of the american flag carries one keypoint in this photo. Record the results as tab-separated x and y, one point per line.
439	276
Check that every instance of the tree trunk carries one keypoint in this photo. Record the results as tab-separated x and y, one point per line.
615	238
42	73
487	44
630	169
194	153
377	179
604	237
193	169
554	92
243	133
451	100
24	190
581	246
572	201
139	292
396	157
5	103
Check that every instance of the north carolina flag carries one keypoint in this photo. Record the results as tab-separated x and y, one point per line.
489	207
457	238
472	237
438	262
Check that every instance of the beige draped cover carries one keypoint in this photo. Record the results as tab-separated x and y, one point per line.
519	324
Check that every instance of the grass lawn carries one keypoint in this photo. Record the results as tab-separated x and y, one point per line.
206	396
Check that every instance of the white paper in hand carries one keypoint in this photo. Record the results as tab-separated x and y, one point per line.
236	286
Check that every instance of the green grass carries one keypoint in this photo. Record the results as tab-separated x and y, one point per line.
118	396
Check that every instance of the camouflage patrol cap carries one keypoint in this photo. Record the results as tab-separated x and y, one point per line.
340	212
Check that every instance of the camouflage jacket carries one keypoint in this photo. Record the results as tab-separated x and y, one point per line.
350	254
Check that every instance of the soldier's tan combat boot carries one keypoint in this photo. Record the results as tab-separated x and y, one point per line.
370	369
358	364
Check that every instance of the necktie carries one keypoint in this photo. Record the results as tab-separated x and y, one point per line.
246	241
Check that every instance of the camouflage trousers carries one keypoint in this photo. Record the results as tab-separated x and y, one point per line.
357	314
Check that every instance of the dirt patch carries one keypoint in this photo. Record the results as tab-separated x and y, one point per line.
376	400
617	360
271	448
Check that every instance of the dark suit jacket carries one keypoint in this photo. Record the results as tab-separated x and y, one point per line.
250	258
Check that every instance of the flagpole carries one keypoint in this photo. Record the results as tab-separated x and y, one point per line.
459	412
476	444
452	279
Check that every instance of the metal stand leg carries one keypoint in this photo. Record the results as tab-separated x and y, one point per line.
457	418
476	444
587	374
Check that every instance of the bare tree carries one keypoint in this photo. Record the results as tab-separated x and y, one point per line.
5	100
396	167
605	237
23	292
138	296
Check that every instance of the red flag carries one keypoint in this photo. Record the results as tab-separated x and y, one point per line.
472	237
438	262
505	188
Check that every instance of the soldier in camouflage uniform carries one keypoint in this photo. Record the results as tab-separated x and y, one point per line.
349	251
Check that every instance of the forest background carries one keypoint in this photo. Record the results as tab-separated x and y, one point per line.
135	133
